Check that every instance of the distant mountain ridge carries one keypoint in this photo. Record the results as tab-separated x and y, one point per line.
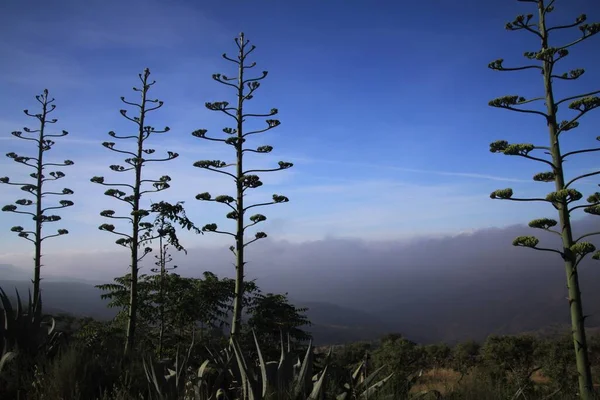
10	272
331	323
334	324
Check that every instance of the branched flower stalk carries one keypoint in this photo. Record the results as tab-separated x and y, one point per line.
244	179
574	250
44	143
136	160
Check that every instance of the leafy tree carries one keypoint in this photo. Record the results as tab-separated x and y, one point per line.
215	296
594	343
437	354
271	316
403	358
166	214
184	303
136	160
573	250
118	294
167	311
465	356
244	179
510	358
43	142
349	355
557	360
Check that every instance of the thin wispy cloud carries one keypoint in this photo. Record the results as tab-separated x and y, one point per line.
404	169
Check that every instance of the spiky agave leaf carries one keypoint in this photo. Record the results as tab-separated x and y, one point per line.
27	330
6	358
319	385
370	391
156	381
262	366
285	369
303	380
370	378
247	388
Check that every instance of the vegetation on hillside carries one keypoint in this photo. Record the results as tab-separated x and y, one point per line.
214	338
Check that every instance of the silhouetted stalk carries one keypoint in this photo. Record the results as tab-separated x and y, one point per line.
243	178
136	162
37	190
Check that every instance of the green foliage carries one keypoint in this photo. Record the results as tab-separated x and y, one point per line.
510	359
93	334
185	303
437	355
543	223
465	356
526	241
351	354
401	357
544	177
271	315
558	363
502	194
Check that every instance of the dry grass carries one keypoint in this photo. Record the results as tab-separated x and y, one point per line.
539	378
444	380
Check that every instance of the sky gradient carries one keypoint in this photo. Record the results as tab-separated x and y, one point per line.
383	108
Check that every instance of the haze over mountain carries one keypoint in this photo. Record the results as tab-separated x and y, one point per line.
429	289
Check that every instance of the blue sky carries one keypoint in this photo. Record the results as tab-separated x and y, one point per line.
383	107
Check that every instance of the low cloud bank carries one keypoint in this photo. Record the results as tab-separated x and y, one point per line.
460	286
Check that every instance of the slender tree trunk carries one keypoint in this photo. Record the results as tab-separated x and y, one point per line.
38	212
239	277
586	390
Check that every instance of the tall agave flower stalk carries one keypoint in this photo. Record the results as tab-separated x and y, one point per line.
135	161
43	141
245	179
573	250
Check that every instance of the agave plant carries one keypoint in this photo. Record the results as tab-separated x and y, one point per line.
359	388
26	332
271	379
167	383
219	378
213	380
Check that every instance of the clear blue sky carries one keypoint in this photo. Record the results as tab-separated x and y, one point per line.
383	107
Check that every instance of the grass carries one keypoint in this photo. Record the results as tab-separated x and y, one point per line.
474	387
